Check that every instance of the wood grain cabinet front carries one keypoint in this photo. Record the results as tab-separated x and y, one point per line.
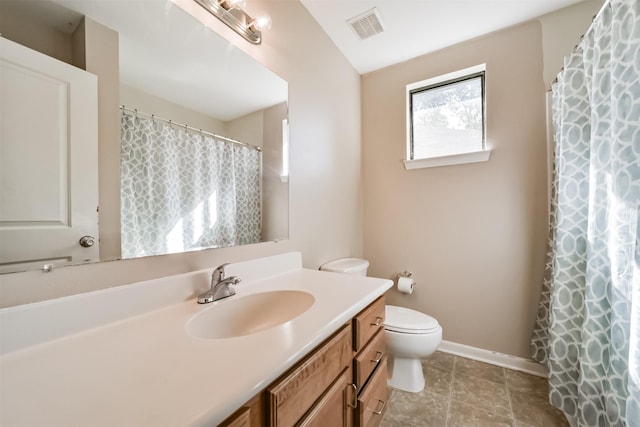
367	360
241	418
290	397
343	382
367	323
333	408
370	365
252	414
373	400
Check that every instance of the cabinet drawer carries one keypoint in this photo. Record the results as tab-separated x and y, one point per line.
297	391
373	400
332	409
368	322
369	358
242	418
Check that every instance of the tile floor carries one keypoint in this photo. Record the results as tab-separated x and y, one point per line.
461	392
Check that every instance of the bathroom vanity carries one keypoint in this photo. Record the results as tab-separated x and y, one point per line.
148	354
343	382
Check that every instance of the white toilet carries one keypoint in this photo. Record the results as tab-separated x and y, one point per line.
411	335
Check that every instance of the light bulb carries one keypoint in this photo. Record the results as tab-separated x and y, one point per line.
237	4
232	4
261	23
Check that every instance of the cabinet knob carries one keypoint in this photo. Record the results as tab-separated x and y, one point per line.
378	321
378	357
355	397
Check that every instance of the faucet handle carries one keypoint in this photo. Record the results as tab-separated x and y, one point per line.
218	273
233	280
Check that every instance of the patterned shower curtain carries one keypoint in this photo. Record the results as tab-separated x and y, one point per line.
588	326
183	190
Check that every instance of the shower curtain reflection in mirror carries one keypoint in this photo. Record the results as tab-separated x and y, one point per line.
185	190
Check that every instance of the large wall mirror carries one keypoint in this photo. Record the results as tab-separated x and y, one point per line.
176	78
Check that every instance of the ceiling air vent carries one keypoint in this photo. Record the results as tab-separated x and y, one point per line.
366	24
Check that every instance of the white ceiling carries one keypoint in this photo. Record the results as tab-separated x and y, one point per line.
416	27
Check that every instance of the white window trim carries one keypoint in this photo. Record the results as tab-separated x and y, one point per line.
451	159
284	176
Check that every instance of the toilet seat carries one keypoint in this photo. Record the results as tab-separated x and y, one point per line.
407	321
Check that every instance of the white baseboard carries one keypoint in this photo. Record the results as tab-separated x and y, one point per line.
494	358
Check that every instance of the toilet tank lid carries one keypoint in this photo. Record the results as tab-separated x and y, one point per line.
401	319
346	265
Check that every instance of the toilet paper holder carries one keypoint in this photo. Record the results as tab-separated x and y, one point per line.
405	273
404	282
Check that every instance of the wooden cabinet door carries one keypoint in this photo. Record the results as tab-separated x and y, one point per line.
333	408
296	392
251	414
242	418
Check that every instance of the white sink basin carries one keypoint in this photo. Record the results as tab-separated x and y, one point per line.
238	316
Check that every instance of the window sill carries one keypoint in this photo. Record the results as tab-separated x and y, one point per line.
453	159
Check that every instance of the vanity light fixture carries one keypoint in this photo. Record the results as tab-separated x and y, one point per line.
232	13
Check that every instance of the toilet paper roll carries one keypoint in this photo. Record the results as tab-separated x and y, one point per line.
405	285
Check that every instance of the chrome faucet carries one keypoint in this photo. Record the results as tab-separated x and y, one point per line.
219	286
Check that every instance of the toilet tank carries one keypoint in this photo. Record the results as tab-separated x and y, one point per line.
347	265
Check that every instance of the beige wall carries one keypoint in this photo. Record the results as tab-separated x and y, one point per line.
16	27
325	189
248	128
325	186
134	98
275	190
561	32
101	57
473	235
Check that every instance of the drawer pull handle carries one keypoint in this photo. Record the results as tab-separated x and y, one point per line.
378	321
381	404
355	397
378	357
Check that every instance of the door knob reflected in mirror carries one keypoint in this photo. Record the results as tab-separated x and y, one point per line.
87	241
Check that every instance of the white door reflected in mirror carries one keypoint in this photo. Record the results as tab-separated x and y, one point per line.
49	161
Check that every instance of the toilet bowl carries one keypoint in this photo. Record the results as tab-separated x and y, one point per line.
411	335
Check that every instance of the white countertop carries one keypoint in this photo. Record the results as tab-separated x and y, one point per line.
142	368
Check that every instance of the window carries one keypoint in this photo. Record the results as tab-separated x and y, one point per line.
446	119
284	177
